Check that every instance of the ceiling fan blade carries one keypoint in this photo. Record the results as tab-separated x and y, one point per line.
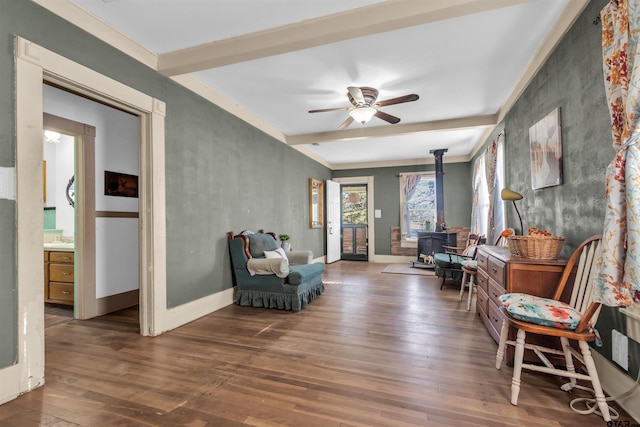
330	109
356	96
387	117
346	123
398	100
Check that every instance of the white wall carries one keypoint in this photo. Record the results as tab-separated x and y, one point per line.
60	168
117	142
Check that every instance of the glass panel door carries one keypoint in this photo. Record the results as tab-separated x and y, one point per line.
354	222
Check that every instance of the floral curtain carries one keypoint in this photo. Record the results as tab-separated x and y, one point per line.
490	162
408	184
618	278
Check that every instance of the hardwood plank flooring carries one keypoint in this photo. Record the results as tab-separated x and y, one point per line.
374	350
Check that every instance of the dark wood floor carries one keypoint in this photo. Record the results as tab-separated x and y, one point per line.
375	349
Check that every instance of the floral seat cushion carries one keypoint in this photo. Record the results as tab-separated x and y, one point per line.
541	311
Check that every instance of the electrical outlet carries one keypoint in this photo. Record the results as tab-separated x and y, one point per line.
620	349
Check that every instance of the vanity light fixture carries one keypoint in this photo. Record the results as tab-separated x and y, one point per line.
51	137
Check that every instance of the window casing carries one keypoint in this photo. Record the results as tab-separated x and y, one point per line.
417	204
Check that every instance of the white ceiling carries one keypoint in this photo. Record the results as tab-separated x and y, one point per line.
270	61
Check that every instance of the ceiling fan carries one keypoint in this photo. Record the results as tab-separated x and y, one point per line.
365	106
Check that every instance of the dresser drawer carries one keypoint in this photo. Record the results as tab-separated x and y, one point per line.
482	301
495	270
483	260
61	273
61	257
495	319
60	291
494	292
483	281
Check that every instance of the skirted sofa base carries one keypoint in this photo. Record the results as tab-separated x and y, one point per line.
285	296
291	287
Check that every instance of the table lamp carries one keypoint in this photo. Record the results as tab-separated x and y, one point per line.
511	195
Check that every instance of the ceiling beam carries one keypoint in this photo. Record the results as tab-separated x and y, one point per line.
377	18
391	130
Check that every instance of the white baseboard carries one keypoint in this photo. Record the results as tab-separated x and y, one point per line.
392	259
185	313
616	383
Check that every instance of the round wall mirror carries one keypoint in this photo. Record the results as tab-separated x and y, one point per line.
71	191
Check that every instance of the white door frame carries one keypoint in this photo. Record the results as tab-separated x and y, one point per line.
370	209
34	65
84	135
334	221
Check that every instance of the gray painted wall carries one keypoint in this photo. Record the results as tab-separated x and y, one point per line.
571	79
222	174
386	182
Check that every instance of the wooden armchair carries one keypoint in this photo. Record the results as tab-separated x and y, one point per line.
574	321
448	265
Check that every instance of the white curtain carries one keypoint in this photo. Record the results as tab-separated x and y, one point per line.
408	184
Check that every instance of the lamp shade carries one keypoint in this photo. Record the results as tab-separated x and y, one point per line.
362	114
511	195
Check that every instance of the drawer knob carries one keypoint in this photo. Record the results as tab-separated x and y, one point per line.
495	295
494	270
66	293
65	273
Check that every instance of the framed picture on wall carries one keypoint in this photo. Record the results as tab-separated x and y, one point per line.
120	184
546	151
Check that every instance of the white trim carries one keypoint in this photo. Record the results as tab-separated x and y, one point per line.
397	163
196	86
71	12
370	207
185	313
615	383
393	259
34	65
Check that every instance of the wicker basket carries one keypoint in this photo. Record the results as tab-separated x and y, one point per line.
542	247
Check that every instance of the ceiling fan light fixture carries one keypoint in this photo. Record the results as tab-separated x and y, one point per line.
362	114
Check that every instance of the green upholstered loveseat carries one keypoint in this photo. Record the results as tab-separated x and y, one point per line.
285	283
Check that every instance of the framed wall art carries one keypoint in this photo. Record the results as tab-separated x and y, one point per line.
120	184
546	151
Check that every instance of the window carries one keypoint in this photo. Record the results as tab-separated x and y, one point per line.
488	212
417	203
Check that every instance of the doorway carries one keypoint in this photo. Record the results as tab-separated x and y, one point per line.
62	139
354	222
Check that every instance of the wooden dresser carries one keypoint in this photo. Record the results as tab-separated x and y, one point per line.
499	273
58	277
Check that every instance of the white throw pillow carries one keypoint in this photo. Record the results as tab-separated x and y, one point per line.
278	253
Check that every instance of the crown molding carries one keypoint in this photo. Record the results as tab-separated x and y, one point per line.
568	17
199	88
79	17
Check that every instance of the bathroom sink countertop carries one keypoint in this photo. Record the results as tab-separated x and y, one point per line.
59	246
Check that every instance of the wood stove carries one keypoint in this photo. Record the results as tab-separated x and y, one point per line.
430	243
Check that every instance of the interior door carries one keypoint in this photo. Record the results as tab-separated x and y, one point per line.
333	221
